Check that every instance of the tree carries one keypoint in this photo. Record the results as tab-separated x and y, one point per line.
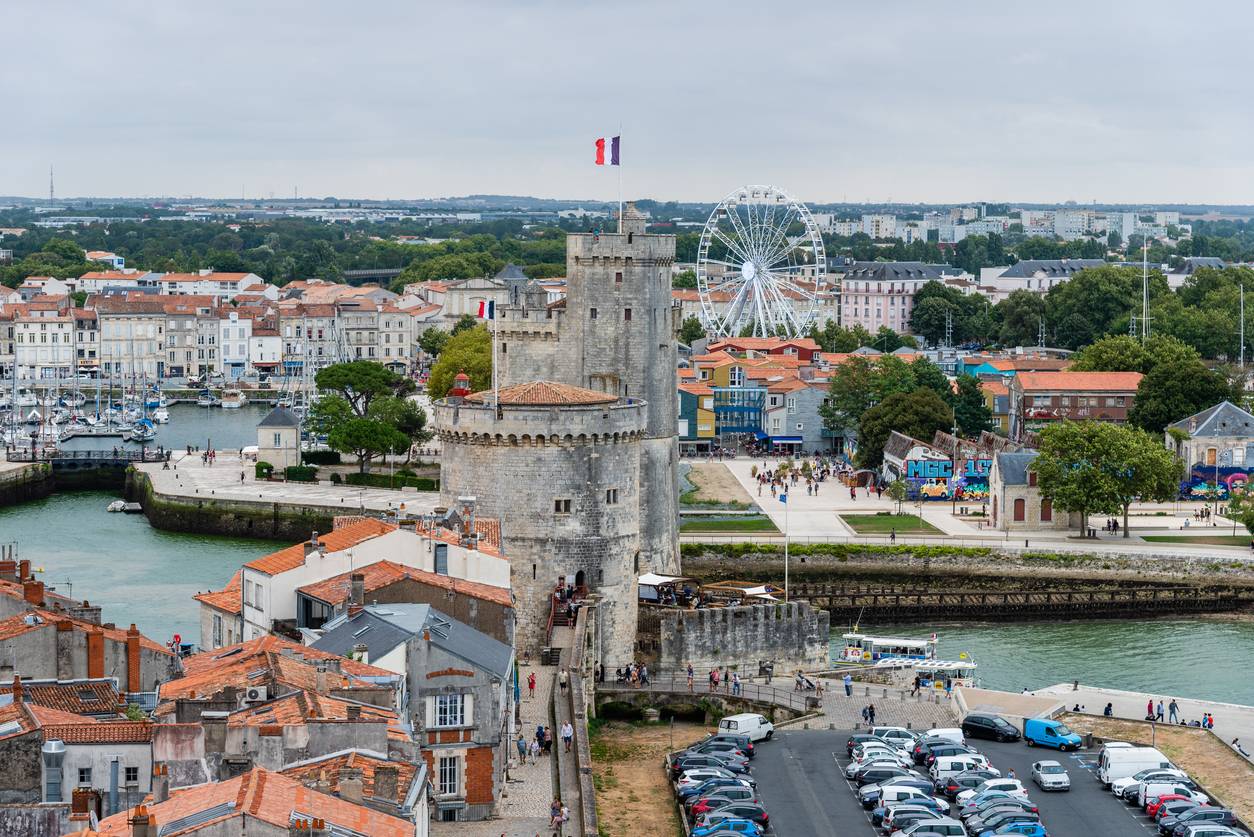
469	352
684	279
691	331
365	411
1072	469
898	490
929	317
928	375
919	414
432	341
366	438
360	382
971	412
1172	391
465	322
1117	353
851	393
892	375
1020	315
1141	468
1091	303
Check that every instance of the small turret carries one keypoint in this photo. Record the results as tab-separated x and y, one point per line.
461	386
632	220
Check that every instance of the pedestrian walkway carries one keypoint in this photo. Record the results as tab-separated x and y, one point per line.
893	706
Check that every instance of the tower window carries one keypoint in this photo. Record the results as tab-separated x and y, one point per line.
618	277
593	314
611	496
504	348
561	506
627	314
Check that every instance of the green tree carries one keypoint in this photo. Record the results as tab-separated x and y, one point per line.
1074	468
464	323
898	490
919	414
360	382
1172	391
929	376
691	331
684	279
1142	468
928	318
366	439
432	341
1020	316
851	393
469	352
892	375
971	412
1092	303
1116	353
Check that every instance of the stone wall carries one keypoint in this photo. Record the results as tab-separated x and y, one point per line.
29	482
793	635
272	521
37	820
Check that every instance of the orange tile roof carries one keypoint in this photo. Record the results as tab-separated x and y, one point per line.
229	599
262	795
330	766
1079	381
765	343
787	385
75	698
696	388
254	648
546	394
51	717
101	732
687	373
334	541
21	715
300	707
335	590
244	670
995	387
17	625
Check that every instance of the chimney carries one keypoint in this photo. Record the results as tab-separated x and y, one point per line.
350	785
23	569
311	545
33	592
361	653
132	659
320	681
385	782
354	610
65	649
17	690
353	712
315	827
160	783
95	653
358	590
140	820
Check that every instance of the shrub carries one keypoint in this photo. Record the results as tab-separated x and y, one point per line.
301	473
263	470
336	479
395	481
405	472
320	457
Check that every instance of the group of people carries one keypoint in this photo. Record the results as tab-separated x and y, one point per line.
1112	525
778	480
635	674
558	813
921	682
868	714
719	676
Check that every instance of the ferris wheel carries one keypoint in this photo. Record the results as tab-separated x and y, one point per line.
760	265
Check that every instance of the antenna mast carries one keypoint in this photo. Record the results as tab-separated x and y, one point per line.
52	192
1145	317
1241	337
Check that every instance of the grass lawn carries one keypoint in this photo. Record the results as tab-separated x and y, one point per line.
739	524
1212	540
883	524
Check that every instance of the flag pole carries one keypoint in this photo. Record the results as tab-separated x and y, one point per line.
496	393
786	504
620	179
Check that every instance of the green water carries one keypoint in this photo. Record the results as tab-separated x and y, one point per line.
136	573
1210	658
192	425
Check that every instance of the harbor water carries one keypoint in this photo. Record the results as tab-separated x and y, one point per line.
191	425
134	572
1208	658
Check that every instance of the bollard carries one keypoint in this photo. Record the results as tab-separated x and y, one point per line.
908	725
868	691
885	696
833	726
806	725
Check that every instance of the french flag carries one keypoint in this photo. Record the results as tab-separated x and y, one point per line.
487	309
614	145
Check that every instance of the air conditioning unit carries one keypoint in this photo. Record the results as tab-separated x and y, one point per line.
256	694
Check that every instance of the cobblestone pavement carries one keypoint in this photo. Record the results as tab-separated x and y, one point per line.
898	709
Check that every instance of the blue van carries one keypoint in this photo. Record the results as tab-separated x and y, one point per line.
1049	733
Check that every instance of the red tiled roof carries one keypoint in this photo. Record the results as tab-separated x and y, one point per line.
335	590
1079	381
17	625
335	541
21	715
765	344
545	394
229	599
330	766
92	697
995	387
269	797
51	717
299	707
103	732
696	388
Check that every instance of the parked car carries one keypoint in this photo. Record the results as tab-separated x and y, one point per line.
1118	786
1152	791
1021	829
999	802
687	761
1155	805
1115	763
1012	787
729	828
861	738
710	786
946	828
871	795
899	737
1050	775
718	747
898	819
992	727
697	775
1175	808
748	723
954	734
998	817
936	751
1213	831
722	798
878	813
744	742
738	811
1176	826
1049	733
964	763
878	773
954	785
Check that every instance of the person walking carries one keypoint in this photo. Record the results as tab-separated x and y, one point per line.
1173	711
1158	713
535	752
848	681
1149	709
522	749
562	677
865	715
531	685
1109	711
689	678
548	740
892	535
735	683
568	735
918	681
870	714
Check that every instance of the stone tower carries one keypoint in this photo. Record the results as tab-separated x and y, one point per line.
615	333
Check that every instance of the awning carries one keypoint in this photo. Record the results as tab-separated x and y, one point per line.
759	435
786	440
293	363
653	579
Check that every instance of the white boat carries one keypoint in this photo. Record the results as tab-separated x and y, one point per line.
142	431
233	399
933	673
864	648
34	417
74	398
161	415
116	506
26	398
207	399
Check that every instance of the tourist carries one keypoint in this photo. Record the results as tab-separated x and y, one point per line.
522	749
562	677
1236	742
818	688
548	741
241	477
714	680
690	677
735	683
540	734
1149	709
799	683
865	715
949	687
892	535
535	752
644	674
1173	711
853	492
601	672
870	714
848	681
555	814
1109	711
918	681
1158	713
568	734
1010	774
531	685
619	677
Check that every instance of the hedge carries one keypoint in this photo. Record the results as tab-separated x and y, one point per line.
320	457
301	473
263	470
395	481
836	550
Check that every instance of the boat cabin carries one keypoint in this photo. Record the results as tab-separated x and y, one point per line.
871	649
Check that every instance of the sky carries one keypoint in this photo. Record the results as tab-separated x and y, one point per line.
874	101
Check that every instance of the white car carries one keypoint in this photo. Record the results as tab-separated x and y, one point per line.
1050	775
1118	786
878	752
854	767
695	777
1009	786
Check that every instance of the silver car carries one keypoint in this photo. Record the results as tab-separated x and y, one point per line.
1050	775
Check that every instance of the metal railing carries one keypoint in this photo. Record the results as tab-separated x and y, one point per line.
144	455
678	684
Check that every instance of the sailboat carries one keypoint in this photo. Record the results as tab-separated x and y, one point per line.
142	431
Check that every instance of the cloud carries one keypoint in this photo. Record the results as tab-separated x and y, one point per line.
908	100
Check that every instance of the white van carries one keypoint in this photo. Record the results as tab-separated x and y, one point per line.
952	733
754	726
946	766
1152	791
1118	762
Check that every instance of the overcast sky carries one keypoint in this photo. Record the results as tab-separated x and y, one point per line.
834	100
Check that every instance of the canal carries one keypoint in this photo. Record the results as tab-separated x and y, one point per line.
134	572
1209	658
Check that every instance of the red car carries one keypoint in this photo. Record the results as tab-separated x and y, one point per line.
1151	808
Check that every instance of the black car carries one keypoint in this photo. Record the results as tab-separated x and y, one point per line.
691	761
1198	816
742	742
717	748
874	775
929	746
992	727
951	786
996	819
950	749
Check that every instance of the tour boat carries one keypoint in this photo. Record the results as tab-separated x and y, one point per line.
233	399
864	648
934	673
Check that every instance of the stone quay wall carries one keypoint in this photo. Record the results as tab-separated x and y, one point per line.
22	482
239	518
792	635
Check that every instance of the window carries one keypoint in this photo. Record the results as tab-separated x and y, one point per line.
132	775
448	784
611	496
627	314
792	405
84	775
561	507
278	440
1047	510
618	277
1019	506
450	710
1031	477
592	315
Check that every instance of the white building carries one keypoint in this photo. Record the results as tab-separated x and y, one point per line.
234	333
880	226
265	350
211	283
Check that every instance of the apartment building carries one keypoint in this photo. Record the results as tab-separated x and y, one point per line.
875	294
1039	398
234	333
358	321
223	286
397	340
308	334
132	334
880	226
183	347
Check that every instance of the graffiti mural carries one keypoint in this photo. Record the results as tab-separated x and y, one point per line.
1200	482
933	479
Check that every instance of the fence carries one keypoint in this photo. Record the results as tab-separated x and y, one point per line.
87	456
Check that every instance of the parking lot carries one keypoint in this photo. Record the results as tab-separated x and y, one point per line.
801	781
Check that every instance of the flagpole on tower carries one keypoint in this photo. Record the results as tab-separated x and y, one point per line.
620	183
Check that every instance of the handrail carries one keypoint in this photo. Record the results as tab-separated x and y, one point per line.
147	455
756	692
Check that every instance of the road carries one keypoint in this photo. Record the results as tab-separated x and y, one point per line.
801	781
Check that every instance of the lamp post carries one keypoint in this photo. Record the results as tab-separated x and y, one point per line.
953	476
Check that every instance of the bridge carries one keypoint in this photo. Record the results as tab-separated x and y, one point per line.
357	277
672	690
82	460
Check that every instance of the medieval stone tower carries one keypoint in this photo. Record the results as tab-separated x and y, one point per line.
611	342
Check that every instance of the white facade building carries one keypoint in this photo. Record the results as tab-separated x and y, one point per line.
234	334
